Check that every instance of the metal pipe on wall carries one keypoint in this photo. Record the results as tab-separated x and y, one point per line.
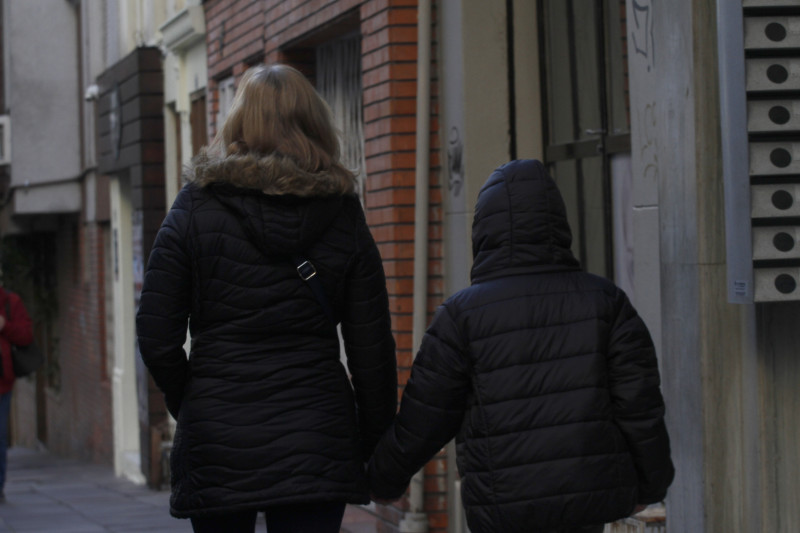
415	520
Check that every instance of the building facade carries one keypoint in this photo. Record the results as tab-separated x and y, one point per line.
55	229
83	112
631	104
144	135
621	99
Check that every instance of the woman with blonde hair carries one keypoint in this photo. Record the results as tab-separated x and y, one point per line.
264	252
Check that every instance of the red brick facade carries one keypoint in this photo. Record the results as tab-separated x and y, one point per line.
78	405
241	33
67	404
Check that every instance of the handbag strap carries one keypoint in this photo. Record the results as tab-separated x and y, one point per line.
308	273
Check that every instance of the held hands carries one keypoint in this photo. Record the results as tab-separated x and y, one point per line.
378	499
382	501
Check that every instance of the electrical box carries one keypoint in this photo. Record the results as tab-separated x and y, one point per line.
759	66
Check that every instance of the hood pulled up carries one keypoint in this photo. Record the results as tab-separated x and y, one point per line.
282	207
520	224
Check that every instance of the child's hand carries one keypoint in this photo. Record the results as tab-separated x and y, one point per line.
382	501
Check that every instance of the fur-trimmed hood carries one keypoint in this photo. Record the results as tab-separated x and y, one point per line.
282	208
273	174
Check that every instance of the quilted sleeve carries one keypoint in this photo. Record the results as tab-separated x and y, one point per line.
637	402
162	319
368	341
431	410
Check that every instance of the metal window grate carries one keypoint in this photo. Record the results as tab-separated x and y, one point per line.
338	74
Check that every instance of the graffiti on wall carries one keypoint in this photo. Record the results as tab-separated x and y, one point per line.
648	151
642	31
455	161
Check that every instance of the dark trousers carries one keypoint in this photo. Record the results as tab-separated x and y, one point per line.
300	518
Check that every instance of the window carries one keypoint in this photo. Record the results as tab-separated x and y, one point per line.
197	120
587	125
225	92
338	78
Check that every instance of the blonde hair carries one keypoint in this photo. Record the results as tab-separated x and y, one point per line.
276	111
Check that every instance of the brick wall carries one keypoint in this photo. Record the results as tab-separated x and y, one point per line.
234	40
389	63
241	33
78	406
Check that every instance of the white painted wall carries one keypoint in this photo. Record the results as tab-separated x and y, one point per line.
195	64
124	394
528	94
475	125
93	57
730	371
666	267
185	73
648	107
138	21
457	212
127	25
42	95
486	124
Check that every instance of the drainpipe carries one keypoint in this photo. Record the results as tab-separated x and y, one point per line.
415	520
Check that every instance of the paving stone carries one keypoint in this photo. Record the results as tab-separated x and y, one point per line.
46	494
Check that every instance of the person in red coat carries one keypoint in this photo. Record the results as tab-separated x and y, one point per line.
15	328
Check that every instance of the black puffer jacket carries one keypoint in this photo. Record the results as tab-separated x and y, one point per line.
266	414
546	374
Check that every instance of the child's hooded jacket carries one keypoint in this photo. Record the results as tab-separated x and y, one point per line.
545	373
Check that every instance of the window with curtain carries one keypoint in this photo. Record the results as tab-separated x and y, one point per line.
338	80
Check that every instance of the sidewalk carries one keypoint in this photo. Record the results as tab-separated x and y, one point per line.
45	494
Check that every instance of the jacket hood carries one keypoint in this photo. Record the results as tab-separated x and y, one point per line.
283	208
273	174
520	224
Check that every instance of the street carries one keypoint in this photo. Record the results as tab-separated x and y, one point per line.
45	494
